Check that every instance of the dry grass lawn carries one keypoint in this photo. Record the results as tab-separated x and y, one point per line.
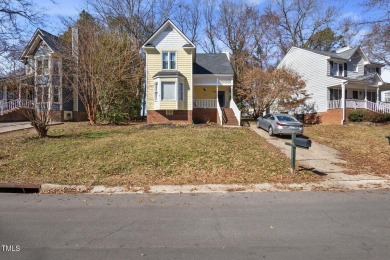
364	147
142	155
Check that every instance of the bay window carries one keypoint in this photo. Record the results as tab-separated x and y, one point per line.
168	91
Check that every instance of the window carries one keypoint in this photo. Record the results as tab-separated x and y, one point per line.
39	67
181	91
156	92
371	70
335	94
56	67
169	60
165	60
168	91
172	60
56	95
355	94
45	67
169	112
338	69
371	96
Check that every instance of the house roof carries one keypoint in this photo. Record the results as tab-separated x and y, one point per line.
168	73
167	22
212	63
52	41
345	55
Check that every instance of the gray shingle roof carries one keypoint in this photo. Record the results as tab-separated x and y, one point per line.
55	43
168	73
215	63
345	55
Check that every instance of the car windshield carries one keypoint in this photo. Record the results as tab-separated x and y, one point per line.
286	118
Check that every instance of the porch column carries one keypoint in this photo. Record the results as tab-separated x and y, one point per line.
377	95
216	93
343	104
365	97
231	92
5	94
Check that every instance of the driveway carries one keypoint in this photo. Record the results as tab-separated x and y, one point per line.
319	159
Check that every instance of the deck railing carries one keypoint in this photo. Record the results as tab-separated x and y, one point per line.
380	107
205	103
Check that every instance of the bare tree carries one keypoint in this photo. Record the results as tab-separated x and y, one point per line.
265	87
187	17
209	44
15	16
376	40
297	21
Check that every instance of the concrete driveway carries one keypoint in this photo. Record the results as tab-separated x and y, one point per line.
319	159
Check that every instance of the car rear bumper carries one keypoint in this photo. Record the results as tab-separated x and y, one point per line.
280	131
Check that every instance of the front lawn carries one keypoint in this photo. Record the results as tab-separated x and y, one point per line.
142	155
364	147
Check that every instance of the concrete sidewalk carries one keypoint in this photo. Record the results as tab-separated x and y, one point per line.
319	159
14	126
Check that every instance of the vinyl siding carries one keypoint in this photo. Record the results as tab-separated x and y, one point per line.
169	41
359	62
314	70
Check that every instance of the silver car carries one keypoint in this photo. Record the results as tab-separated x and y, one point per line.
281	124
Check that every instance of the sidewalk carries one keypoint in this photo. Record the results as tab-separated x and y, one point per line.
14	126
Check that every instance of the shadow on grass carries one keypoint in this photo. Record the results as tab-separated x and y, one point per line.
313	170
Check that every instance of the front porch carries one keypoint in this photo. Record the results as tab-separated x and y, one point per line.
358	96
213	99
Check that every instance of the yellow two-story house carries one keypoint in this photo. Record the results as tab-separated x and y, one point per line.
184	86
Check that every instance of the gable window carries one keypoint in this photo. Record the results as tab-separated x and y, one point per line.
181	91
168	91
169	60
338	69
371	70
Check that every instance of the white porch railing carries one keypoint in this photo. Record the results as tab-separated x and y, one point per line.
205	103
12	105
219	113
380	107
236	111
355	103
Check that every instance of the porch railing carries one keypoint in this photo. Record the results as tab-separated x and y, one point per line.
205	103
15	104
236	111
380	107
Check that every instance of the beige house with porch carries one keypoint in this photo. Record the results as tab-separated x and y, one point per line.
338	82
184	86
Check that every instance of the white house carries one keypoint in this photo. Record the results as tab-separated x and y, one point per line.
338	81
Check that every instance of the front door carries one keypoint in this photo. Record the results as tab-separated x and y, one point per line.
221	98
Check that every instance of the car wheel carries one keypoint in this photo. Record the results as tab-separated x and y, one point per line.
270	131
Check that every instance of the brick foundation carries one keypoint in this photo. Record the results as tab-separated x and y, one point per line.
15	116
178	117
204	115
334	116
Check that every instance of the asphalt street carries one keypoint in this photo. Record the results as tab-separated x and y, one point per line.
284	225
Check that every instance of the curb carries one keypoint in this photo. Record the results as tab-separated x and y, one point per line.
219	188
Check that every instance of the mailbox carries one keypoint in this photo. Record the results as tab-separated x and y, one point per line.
302	142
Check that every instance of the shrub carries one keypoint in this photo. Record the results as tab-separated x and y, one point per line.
373	117
356	116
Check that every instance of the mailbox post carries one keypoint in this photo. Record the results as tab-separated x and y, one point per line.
300	143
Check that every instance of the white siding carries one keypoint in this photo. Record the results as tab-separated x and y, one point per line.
313	68
169	39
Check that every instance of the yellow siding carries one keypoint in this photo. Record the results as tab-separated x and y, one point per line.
184	65
210	93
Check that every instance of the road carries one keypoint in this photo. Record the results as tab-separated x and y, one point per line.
284	225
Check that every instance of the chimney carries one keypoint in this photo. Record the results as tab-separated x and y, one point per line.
342	49
75	39
227	54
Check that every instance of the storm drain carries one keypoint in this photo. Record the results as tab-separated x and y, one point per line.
19	188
